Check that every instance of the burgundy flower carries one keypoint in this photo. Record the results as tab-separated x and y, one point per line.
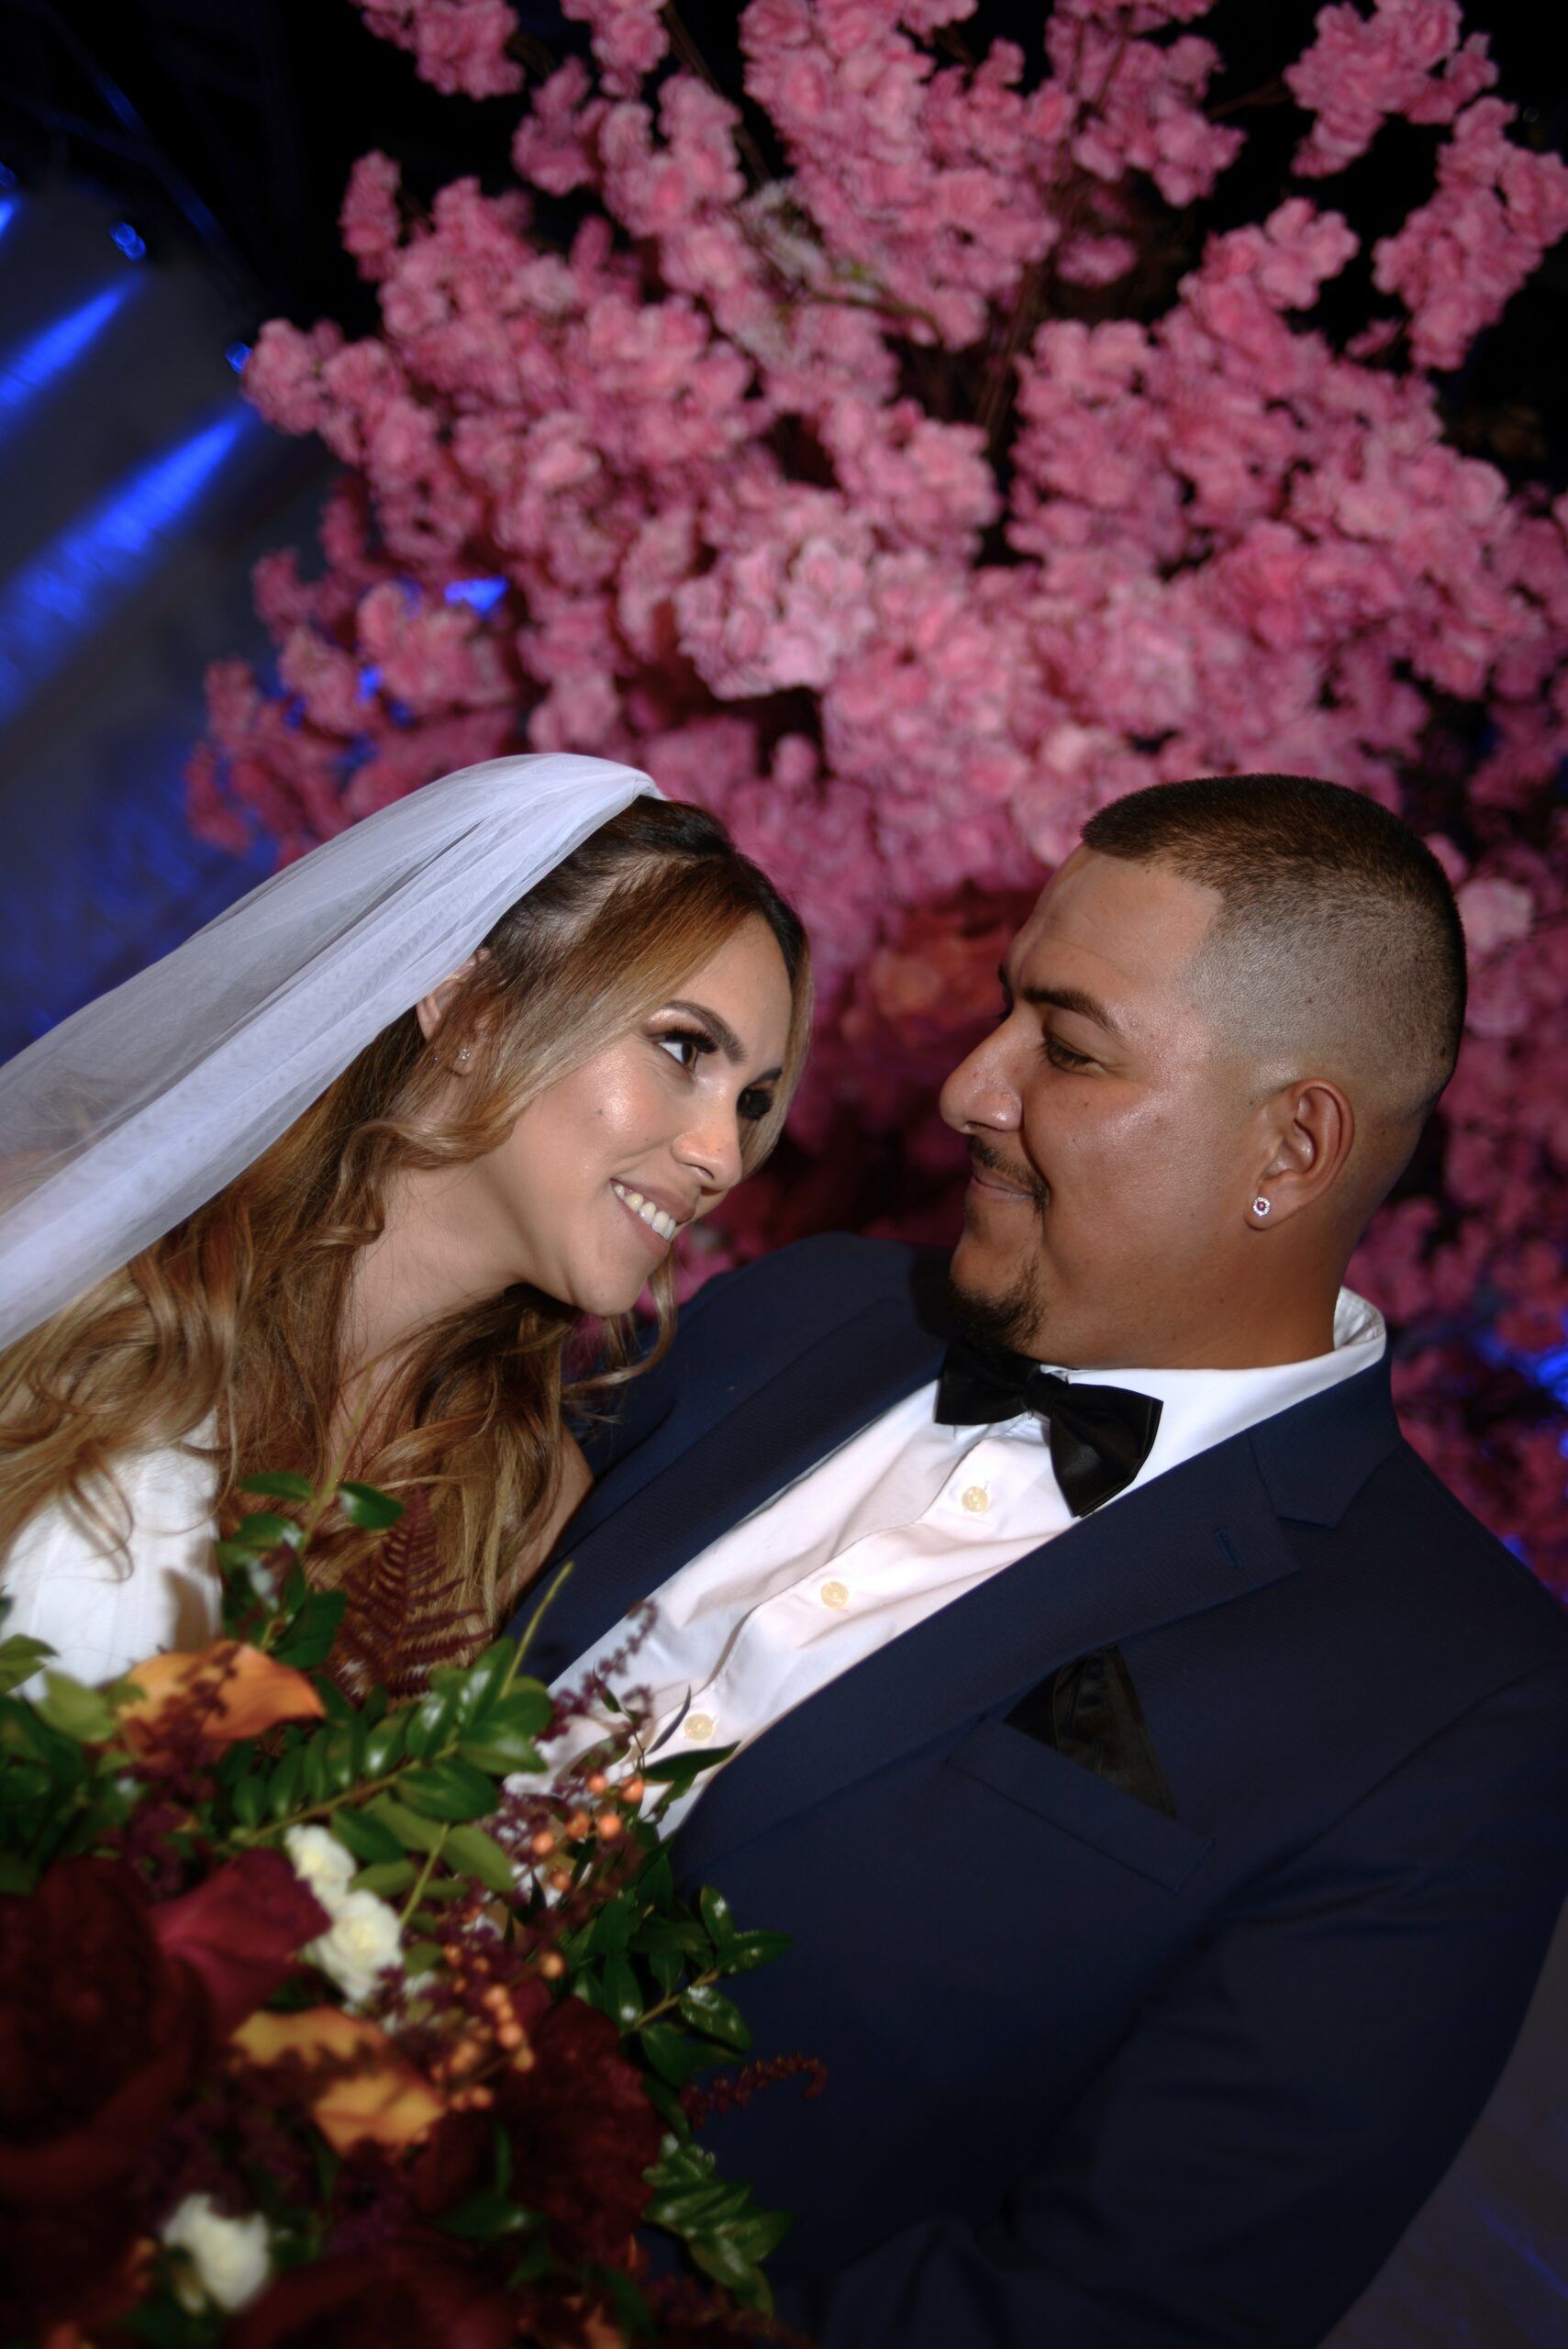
583	2132
241	1931
74	2263
406	2295
101	2032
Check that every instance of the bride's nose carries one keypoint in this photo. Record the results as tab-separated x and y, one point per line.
711	1151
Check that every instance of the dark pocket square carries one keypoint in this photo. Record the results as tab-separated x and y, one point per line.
1089	1712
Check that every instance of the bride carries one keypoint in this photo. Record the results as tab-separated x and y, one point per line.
345	1183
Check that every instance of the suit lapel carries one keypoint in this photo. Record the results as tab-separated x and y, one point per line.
661	1506
1196	1538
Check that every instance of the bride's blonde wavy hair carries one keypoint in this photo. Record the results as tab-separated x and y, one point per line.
237	1314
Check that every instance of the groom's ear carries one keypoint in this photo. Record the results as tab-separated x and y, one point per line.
431	1009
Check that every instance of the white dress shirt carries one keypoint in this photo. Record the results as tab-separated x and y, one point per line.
896	1523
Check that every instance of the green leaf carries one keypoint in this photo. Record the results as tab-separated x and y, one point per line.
250	1802
386	1875
280	1485
483	1679
343	1743
747	1951
19	1659
484	2216
338	1706
528	1706
714	1910
667	2104
676	1934
479	1854
682	1768
612	1928
501	1755
674	2056
383	1745
308	1640
266	1531
368	1838
708	2009
449	1789
413	1834
667	1968
82	1714
430	1722
365	1506
16	1875
314	1781
283	1787
623	1999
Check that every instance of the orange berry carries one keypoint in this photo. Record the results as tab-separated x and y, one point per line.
634	1790
610	1824
553	1965
597	1783
543	1843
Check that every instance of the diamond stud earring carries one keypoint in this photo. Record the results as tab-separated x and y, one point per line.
1261	1207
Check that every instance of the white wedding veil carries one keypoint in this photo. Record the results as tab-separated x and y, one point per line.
140	1106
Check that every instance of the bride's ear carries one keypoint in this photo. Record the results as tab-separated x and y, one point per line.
431	1009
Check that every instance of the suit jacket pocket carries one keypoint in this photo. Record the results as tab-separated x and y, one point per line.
1014	1764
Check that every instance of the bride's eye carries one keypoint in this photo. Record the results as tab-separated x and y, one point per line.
685	1046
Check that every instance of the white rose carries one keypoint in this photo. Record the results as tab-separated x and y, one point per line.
229	2255
365	1939
321	1864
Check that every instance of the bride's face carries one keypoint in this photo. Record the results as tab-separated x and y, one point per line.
586	1196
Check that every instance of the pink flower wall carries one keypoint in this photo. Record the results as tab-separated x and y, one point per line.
860	461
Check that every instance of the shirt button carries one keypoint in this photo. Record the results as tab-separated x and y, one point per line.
834	1594
699	1727
976	1499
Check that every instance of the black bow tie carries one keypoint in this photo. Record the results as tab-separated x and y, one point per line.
1100	1436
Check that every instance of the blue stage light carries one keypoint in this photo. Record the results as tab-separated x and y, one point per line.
8	210
237	355
483	595
130	239
71	588
31	367
7	176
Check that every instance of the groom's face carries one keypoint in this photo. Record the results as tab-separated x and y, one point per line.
1104	1119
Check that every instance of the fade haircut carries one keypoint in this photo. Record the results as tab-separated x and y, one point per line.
1336	941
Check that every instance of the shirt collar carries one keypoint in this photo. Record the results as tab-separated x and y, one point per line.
1203	1408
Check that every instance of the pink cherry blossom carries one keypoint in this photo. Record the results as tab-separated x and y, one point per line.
898	460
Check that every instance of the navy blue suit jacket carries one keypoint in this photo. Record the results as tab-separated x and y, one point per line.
1101	2078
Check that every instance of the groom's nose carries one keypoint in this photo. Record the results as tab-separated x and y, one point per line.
981	1094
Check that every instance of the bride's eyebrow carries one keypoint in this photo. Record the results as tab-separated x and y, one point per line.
724	1035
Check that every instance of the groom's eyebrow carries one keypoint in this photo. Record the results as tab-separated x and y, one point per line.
1078	999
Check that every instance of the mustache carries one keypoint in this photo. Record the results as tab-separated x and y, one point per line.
1022	1178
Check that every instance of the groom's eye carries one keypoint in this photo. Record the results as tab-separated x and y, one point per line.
1062	1055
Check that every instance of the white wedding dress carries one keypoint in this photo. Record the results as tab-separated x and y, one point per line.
101	1607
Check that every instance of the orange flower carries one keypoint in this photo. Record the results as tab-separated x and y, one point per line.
240	1691
382	2100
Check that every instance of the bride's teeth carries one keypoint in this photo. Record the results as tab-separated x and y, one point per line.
655	1218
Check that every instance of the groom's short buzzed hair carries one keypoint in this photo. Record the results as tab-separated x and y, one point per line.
1336	928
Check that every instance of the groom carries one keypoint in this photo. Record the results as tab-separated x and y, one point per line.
1162	1779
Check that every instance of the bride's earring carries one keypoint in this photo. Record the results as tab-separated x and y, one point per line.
1261	1206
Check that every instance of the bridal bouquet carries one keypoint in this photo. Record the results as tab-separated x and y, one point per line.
330	2018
